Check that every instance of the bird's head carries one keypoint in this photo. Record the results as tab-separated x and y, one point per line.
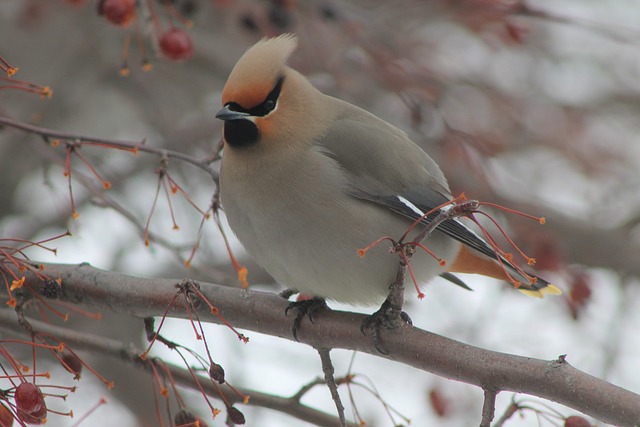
265	101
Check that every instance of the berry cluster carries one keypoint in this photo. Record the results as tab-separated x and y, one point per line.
174	43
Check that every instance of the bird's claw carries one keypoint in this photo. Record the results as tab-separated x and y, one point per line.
389	316
305	308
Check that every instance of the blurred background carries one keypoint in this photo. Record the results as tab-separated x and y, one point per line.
531	104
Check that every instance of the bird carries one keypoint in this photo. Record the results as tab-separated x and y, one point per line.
307	180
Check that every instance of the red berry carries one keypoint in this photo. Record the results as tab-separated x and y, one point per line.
29	398
176	44
35	418
439	403
118	12
6	417
576	421
31	407
580	293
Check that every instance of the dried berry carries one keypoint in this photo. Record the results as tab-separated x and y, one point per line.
216	372
72	363
235	416
184	418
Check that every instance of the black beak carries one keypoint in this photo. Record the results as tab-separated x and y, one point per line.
226	114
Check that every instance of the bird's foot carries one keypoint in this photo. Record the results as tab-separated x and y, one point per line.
389	316
305	308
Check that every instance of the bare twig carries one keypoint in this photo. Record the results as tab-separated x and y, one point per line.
327	369
488	407
139	145
305	388
508	413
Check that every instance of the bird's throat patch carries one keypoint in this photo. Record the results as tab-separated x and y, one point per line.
241	133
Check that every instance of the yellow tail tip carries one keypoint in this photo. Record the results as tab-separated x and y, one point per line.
531	293
539	293
551	290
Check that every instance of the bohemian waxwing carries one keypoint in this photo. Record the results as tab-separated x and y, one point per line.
307	179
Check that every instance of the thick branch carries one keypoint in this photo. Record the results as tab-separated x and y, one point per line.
262	312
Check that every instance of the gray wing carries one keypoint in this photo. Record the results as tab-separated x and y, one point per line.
380	160
385	167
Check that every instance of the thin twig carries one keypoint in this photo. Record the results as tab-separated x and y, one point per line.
396	290
137	145
508	413
306	388
434	223
488	407
327	369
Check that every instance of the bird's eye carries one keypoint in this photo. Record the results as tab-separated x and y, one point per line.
269	105
266	106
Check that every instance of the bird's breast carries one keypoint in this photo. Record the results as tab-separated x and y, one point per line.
302	226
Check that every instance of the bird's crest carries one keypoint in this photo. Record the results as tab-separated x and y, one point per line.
258	70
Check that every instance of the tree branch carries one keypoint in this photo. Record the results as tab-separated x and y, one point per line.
262	312
129	355
203	164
